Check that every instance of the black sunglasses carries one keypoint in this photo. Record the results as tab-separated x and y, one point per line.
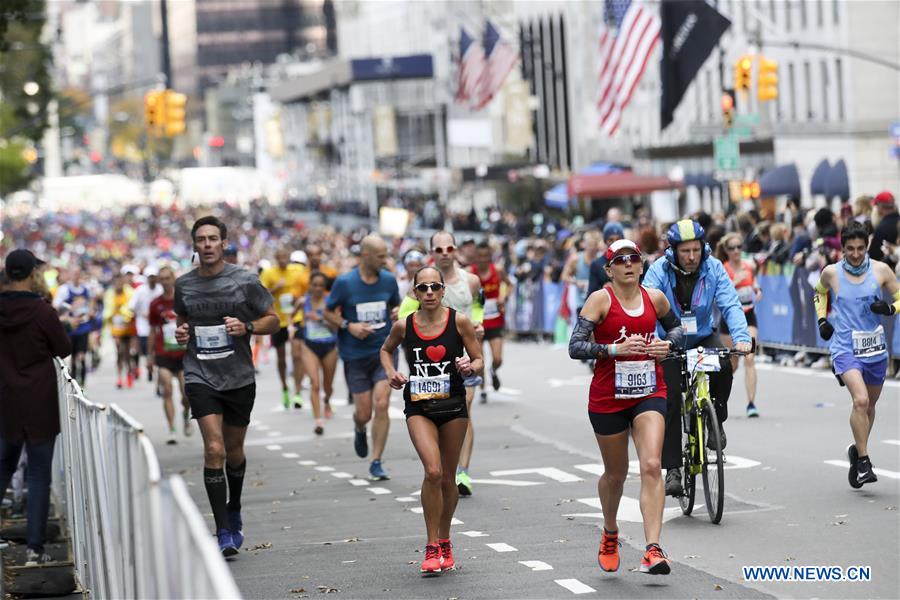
429	287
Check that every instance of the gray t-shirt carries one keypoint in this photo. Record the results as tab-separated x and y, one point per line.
213	357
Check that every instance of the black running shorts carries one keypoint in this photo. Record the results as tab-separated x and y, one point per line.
280	338
234	405
617	422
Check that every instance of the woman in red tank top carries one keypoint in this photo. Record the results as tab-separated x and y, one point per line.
628	392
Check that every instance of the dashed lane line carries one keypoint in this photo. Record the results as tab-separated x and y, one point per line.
324	469
501	547
473	534
536	565
307	463
273	447
405	499
290	455
575	586
378	491
358	482
342	475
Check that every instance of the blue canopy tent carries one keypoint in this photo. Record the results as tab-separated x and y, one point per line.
701	181
819	177
558	195
780	181
838	183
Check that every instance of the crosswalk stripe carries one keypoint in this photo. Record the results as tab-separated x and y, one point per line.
846	465
501	547
575	586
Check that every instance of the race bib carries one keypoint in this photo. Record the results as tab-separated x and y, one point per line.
118	321
491	309
170	344
429	388
700	361
689	323
316	331
746	295
372	313
286	303
869	343
213	342
635	378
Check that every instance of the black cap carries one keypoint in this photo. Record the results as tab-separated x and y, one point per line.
20	263
231	250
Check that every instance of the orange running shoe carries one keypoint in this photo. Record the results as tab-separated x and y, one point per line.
130	380
447	561
432	563
608	557
655	561
119	383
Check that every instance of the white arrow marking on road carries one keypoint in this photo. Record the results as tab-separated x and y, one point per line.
405	499
883	472
379	490
290	455
634	466
575	586
893	442
306	463
342	475
536	565
501	547
325	469
549	472
509	482
273	447
473	534
455	521
629	510
358	482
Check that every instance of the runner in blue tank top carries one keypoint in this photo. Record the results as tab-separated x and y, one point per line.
857	341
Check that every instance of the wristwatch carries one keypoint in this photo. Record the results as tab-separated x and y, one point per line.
249	326
345	324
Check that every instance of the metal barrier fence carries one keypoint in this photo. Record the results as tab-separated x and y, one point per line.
134	534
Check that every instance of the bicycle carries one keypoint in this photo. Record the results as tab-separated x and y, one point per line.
701	429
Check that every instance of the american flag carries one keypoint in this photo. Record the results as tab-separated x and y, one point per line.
471	67
623	57
501	58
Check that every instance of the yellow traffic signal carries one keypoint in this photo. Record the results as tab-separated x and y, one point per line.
743	72
767	80
154	111
175	113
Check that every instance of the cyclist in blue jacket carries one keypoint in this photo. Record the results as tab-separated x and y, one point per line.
694	281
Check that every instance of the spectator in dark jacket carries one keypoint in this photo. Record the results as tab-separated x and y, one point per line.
886	230
31	334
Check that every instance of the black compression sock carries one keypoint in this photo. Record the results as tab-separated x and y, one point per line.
235	477
217	490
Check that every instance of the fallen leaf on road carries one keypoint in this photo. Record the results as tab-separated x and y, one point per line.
839	523
324	589
890	508
691	556
412	562
258	483
326	543
264	546
840	516
350	540
561	541
717	587
298	591
505	508
570	518
276	501
788	558
731	556
633	569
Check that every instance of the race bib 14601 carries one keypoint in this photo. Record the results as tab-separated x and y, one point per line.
429	388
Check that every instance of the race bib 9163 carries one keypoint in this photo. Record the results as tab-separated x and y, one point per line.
635	378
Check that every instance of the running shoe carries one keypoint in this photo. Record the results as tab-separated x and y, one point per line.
752	412
236	526
361	443
655	561
298	401
853	475
286	399
608	556
495	381
171	441
130	380
377	472
33	558
447	561
483	397
226	543
119	383
864	471
464	483
432	564
674	486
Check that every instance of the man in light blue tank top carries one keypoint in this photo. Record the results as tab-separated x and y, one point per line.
856	339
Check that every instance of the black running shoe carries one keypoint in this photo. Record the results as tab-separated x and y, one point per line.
361	443
674	486
852	475
495	381
864	472
483	397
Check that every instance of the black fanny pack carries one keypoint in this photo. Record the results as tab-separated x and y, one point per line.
443	407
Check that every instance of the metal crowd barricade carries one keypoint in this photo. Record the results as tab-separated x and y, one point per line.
134	534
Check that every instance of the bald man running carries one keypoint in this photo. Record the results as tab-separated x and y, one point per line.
363	302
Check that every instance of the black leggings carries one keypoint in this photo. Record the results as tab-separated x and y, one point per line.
719	389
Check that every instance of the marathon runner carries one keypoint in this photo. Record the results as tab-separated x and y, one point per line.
140	306
166	354
319	347
628	392
77	296
283	280
492	280
743	275
436	340
857	342
314	256
120	320
694	282
362	303
219	306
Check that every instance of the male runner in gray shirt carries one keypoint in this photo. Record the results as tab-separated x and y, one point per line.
219	305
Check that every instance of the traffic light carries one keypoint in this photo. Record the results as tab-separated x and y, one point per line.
154	110
728	107
743	73
767	80
174	113
750	190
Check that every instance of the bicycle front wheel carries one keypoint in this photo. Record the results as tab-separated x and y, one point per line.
686	500
714	465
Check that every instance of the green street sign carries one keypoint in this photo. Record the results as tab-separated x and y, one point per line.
727	153
746	120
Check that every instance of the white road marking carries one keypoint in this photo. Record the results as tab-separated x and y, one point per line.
634	466
358	482
474	534
509	482
417	509
455	521
810	372
536	565
501	547
405	499
306	463
892	442
846	465
549	472
273	447
290	439
274	433
575	586
510	391
290	455
379	490
629	510
578	380
342	475
262	427
325	469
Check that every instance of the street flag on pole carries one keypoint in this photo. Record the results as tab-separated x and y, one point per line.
690	31
500	60
471	68
623	57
